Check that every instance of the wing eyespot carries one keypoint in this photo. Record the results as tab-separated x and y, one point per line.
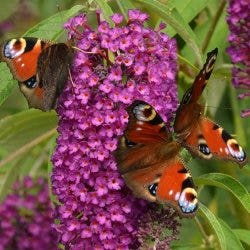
236	150
144	112
188	201
31	82
153	189
204	149
129	144
14	48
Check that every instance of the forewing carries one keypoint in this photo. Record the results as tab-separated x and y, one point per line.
144	139
200	82
21	55
145	125
189	110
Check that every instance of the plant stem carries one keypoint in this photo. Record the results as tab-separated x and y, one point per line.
213	25
205	236
238	121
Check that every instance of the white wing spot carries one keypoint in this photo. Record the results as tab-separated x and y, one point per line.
177	196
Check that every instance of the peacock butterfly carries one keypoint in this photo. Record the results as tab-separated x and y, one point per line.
41	68
149	159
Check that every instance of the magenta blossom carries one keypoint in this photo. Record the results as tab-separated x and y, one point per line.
239	24
117	65
26	218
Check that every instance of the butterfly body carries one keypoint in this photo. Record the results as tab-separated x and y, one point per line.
41	68
148	157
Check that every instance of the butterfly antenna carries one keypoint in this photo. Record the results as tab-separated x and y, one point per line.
59	10
71	79
214	107
83	51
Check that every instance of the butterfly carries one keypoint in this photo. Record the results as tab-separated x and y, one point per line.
41	68
149	158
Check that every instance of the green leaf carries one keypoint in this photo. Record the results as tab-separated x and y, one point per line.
52	27
231	239
243	235
220	34
173	18
53	197
186	247
106	10
7	180
23	131
215	225
188	10
39	158
229	183
125	6
7	83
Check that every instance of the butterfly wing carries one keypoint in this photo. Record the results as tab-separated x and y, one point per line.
166	182
198	134
21	55
52	72
146	130
189	111
40	68
209	139
149	162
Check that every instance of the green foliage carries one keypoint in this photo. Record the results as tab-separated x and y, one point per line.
27	136
211	220
174	18
232	241
24	130
243	235
9	6
7	82
226	182
21	135
124	6
52	27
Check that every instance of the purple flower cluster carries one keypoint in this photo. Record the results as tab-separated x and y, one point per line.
26	218
239	24
153	226
114	67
